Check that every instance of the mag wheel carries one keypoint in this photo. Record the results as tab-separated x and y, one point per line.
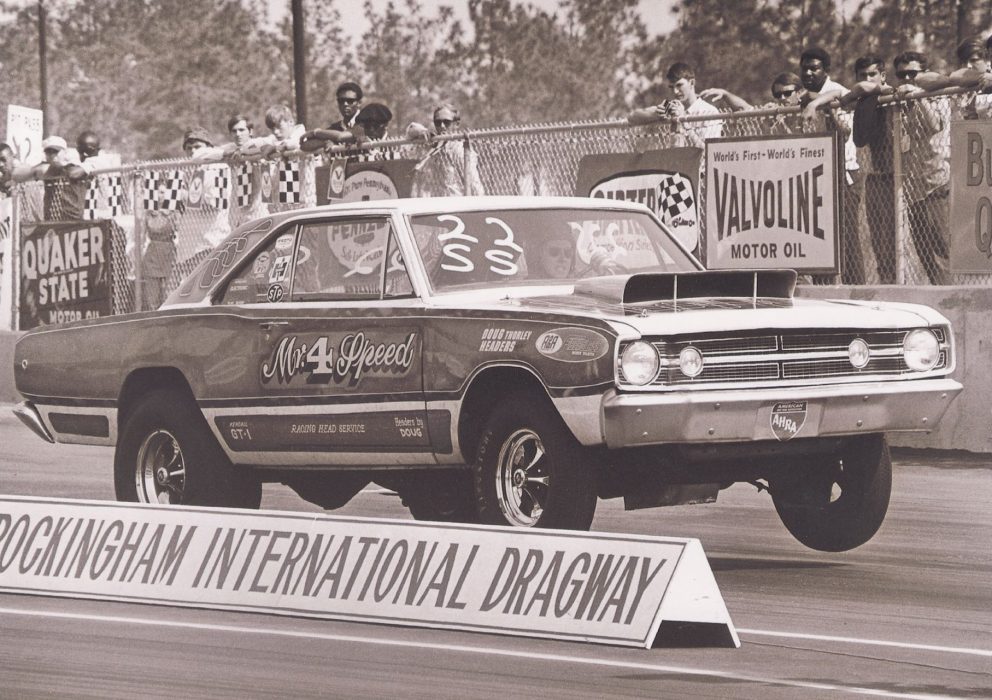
166	454
530	471
837	503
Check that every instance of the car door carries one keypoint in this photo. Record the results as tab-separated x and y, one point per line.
336	333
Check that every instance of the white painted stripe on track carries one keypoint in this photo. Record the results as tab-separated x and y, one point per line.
482	651
871	642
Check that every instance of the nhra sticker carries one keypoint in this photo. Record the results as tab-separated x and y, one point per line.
356	355
572	345
788	418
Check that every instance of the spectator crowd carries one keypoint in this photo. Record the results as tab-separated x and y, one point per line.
816	101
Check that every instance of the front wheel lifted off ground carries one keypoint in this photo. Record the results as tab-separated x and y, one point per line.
837	503
167	454
530	471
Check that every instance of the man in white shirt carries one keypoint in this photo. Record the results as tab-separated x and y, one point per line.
682	82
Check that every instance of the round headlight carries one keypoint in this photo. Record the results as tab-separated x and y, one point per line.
921	350
639	363
858	353
691	362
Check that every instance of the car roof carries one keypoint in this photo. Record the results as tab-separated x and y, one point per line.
427	205
404	207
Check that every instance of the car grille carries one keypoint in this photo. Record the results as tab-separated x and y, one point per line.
791	357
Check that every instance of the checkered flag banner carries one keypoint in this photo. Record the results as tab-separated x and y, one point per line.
115	194
162	190
91	201
243	185
149	191
674	197
218	187
104	197
290	182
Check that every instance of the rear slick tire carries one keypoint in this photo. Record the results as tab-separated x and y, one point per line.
837	503
166	454
530	471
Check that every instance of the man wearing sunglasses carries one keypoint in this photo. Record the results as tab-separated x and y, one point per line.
448	169
349	97
926	173
786	91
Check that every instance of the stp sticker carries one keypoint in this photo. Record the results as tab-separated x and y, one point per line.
572	345
788	418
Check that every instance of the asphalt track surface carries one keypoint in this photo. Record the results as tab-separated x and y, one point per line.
908	615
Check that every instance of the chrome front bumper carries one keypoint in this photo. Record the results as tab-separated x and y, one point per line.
745	415
30	417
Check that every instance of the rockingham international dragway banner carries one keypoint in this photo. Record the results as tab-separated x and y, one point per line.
971	197
593	587
772	203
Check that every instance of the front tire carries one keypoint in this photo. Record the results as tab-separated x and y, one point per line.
167	454
530	471
837	503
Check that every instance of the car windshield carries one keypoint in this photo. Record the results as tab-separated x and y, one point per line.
541	246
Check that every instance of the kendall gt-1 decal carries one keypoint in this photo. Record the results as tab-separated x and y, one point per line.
572	345
322	359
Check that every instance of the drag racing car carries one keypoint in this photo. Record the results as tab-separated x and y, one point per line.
496	360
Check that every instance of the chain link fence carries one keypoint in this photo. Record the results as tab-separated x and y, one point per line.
165	216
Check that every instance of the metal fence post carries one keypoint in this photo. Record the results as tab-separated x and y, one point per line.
15	259
139	237
898	206
466	168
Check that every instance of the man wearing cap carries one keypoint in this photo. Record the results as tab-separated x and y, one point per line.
371	124
64	191
198	144
204	224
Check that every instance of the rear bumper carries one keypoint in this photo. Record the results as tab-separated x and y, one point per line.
747	415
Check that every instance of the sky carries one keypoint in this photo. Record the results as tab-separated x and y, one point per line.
656	14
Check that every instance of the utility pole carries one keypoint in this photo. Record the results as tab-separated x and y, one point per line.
43	66
299	62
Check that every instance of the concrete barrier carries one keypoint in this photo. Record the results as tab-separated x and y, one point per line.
967	425
968	422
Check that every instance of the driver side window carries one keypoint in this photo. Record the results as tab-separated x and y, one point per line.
266	277
343	260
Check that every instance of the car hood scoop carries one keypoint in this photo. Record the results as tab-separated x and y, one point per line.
675	286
